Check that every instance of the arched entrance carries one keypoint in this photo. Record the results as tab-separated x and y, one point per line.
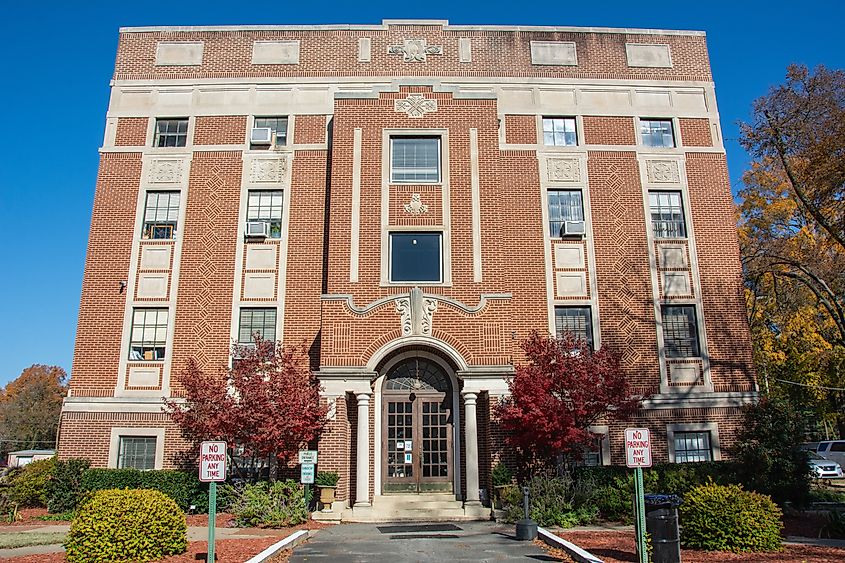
417	427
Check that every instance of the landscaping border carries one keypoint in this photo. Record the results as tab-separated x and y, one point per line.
578	554
289	542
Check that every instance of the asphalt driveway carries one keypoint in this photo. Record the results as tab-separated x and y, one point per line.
460	541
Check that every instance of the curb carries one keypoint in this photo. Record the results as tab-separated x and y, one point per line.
578	554
291	541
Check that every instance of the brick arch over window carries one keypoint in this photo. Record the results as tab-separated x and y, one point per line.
378	359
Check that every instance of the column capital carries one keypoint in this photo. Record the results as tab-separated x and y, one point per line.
470	397
363	397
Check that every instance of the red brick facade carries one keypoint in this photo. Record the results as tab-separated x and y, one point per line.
481	94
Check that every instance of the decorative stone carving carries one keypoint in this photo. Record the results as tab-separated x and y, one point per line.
267	170
415	50
415	105
416	207
663	172
564	170
403	307
416	313
166	171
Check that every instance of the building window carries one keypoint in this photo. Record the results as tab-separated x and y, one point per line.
254	321
161	215
564	205
149	334
278	128
592	454
171	133
415	159
680	331
667	215
416	257
136	452
576	320
692	447
266	206
657	133
559	131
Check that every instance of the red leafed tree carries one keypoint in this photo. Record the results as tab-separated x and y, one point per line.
563	389
268	403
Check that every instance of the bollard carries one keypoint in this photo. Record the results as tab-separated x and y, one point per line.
526	529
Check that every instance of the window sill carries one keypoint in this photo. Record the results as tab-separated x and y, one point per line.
412	284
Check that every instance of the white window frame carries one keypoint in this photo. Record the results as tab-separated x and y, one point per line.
574	120
421	135
118	432
711	427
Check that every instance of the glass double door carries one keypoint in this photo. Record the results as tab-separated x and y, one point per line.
417	443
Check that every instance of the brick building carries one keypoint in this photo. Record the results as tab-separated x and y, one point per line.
411	199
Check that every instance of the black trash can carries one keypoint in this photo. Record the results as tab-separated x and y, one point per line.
661	522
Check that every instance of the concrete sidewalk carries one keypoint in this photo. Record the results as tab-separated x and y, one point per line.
195	533
443	541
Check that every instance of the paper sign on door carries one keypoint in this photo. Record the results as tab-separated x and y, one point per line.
408	445
408	457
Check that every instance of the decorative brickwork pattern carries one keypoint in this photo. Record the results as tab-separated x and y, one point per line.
609	131
131	132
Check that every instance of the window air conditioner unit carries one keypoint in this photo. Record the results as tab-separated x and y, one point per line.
261	136
257	229
574	228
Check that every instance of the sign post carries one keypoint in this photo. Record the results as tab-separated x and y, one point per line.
212	470
308	460
638	455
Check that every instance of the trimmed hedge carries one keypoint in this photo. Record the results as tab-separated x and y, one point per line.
126	525
28	485
728	518
183	487
64	490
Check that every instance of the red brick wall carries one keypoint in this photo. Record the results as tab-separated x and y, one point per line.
131	132
695	132
521	129
207	272
609	131
310	129
220	130
714	222
228	54
97	352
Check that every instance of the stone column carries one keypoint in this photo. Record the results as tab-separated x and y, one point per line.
362	468
471	447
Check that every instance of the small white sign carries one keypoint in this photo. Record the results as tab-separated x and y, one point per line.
212	461
308	456
408	457
400	445
637	447
408	444
306	475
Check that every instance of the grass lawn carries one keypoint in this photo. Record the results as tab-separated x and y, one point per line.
23	539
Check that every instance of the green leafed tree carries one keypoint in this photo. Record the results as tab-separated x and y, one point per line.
792	235
30	407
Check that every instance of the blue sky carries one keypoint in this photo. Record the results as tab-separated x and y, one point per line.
58	58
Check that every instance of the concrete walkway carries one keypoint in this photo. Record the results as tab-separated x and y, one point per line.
460	541
195	533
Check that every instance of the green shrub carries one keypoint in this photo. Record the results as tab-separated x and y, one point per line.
64	489
126	525
728	518
181	486
554	501
28	487
326	479
268	505
501	475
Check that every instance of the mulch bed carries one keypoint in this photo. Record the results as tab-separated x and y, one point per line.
618	547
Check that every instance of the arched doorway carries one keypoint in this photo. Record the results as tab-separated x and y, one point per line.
417	426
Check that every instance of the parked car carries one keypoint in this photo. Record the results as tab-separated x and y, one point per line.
833	450
822	468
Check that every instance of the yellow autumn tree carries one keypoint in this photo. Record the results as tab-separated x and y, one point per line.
792	237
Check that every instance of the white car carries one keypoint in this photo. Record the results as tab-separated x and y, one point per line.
822	468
